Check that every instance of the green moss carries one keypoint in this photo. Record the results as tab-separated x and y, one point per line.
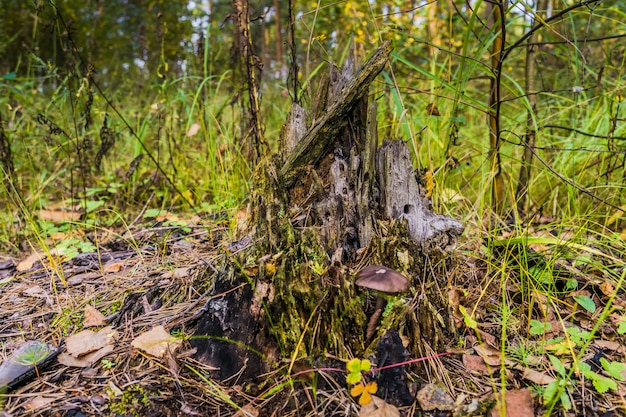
133	399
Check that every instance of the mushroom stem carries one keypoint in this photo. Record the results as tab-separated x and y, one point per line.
373	322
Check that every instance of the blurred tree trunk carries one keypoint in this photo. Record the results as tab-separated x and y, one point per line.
247	70
531	88
496	24
280	59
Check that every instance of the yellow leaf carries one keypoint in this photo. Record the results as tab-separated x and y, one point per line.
357	390
365	399
371	387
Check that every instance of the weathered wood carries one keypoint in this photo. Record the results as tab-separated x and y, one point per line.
316	142
294	128
337	202
401	198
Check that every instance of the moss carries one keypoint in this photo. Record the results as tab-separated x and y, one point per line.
133	400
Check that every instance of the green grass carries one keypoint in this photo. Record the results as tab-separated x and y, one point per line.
576	197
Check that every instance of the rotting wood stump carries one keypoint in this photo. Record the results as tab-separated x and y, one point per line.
333	202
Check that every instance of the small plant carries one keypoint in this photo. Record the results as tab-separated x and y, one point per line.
32	354
364	391
107	364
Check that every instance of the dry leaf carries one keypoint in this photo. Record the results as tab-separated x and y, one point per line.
93	318
89	341
189	410
156	342
609	345
72	361
28	263
607	288
378	408
193	129
57	216
39	401
113	266
247	411
537	377
519	403
474	363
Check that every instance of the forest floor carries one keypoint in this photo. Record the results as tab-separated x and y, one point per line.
121	319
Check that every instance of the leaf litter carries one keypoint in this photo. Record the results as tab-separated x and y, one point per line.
122	319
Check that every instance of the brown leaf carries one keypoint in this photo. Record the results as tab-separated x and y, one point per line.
66	359
247	411
113	266
378	408
93	318
519	403
39	401
28	263
156	342
193	130
537	377
474	363
89	341
57	216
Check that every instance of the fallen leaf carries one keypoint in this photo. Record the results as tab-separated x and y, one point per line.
87	360
156	342
247	411
193	129
537	377
378	408
37	402
474	363
89	341
72	361
609	345
519	403
113	266
93	318
58	216
28	262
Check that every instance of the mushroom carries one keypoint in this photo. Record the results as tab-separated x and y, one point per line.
384	281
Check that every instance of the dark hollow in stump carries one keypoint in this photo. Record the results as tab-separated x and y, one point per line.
332	202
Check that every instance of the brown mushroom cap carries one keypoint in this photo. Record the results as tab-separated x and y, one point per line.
383	279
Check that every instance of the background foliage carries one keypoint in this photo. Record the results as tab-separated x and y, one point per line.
120	105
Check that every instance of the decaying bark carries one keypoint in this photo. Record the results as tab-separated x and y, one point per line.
332	204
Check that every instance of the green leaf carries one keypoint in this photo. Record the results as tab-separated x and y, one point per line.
366	365
354	365
602	384
585	302
91	205
353	378
150	213
469	321
585	369
550	391
621	325
537	327
615	369
558	365
565	400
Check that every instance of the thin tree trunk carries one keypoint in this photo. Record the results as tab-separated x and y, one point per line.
496	23
531	134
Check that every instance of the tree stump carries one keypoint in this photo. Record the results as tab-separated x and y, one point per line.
332	204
